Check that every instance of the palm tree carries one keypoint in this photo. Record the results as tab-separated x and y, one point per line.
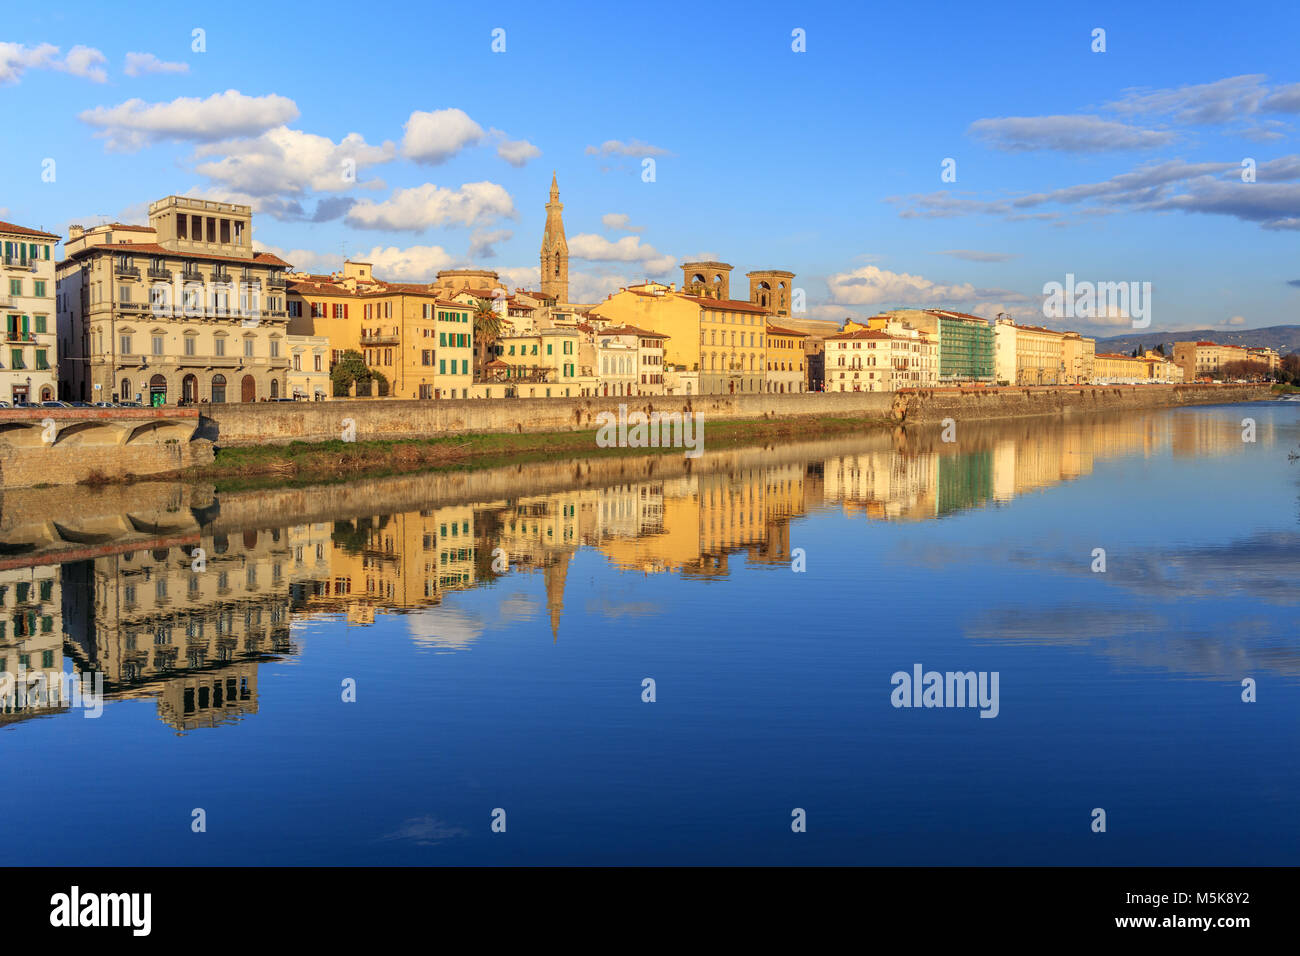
487	329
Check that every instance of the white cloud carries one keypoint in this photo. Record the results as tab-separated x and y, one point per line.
633	147
82	61
16	58
138	64
619	221
523	277
977	255
423	206
1235	320
85	61
284	160
516	152
482	244
626	249
1072	134
411	264
135	123
304	260
871	285
434	137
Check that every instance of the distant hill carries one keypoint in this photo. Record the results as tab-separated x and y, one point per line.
1283	338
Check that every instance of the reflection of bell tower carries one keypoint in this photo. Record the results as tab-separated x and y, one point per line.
555	249
555	575
708	279
770	289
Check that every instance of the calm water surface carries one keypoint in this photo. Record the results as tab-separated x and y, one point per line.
519	686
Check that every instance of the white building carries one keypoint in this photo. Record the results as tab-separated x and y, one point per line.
869	360
29	365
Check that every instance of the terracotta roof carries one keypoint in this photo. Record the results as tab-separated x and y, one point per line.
727	305
862	334
9	227
127	227
778	330
153	249
631	330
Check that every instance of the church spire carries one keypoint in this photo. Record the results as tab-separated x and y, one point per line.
555	248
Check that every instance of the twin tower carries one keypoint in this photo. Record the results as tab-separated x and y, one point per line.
768	288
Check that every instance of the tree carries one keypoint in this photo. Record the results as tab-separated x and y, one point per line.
487	329
1290	367
351	369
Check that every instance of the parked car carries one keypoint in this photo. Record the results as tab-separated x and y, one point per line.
4	404
53	404
129	405
26	405
79	405
104	405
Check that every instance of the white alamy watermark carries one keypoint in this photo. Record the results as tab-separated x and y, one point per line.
129	910
653	430
192	298
1098	300
28	690
922	688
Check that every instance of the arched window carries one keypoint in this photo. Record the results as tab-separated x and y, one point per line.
218	389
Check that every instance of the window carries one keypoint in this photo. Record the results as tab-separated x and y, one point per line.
124	344
15	286
248	348
124	294
157	345
318	363
189	344
38	288
442	366
219	347
464	366
275	348
41	361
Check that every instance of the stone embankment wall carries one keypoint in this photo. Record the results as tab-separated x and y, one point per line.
280	423
64	446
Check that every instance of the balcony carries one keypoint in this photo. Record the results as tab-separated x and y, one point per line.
276	281
368	341
127	272
19	337
159	273
15	262
222	276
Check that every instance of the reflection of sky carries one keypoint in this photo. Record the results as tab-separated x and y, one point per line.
1118	690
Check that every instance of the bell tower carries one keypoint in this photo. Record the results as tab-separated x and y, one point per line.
770	289
555	249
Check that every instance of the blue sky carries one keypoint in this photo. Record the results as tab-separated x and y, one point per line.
825	162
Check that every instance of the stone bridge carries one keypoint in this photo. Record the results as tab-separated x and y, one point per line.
68	445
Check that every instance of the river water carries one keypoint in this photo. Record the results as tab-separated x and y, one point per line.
457	668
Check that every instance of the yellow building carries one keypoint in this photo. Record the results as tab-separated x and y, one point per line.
786	369
308	378
1028	354
1112	369
723	339
1204	361
415	335
29	365
1078	358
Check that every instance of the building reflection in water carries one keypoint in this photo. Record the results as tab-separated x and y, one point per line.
156	626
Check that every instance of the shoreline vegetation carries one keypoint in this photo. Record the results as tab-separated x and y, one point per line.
248	467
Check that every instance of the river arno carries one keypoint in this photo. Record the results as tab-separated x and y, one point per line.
519	687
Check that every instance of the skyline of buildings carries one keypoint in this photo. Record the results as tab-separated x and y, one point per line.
184	310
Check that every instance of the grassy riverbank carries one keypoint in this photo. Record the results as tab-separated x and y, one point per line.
258	466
